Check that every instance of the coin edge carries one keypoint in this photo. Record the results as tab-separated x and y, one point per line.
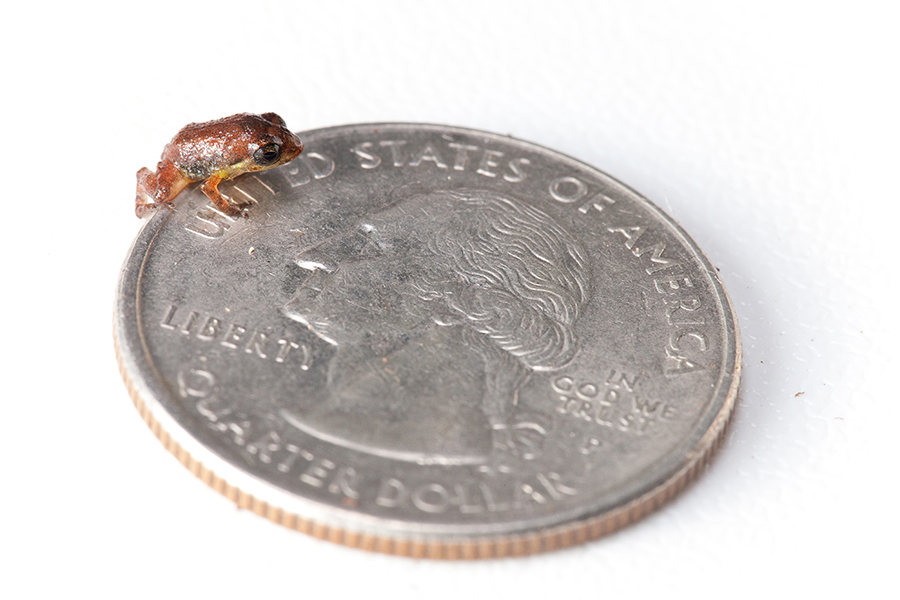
476	547
546	540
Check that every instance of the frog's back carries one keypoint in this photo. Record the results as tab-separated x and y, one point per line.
201	149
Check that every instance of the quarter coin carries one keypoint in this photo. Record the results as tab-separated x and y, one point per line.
430	341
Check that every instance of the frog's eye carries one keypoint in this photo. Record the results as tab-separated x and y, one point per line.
267	154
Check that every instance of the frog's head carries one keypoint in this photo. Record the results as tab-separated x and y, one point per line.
275	143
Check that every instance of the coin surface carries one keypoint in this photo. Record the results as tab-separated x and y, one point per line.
430	341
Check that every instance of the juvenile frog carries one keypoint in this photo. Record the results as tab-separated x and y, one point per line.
214	152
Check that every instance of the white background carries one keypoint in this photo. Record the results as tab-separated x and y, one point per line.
769	131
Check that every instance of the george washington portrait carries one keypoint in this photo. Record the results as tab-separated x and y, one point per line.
438	309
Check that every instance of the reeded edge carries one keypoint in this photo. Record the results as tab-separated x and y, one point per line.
578	531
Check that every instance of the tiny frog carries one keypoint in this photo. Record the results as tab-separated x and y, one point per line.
214	152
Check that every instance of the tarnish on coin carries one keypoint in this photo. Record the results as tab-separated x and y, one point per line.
430	341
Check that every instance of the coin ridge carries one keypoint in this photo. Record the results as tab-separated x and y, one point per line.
546	540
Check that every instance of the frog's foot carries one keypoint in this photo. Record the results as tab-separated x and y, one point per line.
143	209
144	202
210	187
233	210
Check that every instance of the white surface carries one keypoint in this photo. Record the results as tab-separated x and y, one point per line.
768	131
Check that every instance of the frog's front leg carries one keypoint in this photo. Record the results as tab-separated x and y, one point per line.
210	187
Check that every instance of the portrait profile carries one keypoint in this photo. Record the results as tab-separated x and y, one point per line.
438	309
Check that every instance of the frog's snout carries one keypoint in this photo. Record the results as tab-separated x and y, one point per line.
293	148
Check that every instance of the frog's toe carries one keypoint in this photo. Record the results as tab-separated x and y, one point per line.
228	209
142	210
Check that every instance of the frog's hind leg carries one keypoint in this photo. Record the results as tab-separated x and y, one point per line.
155	189
144	201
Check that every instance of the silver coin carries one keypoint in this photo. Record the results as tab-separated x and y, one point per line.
430	341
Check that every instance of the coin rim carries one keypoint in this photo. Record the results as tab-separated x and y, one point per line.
368	532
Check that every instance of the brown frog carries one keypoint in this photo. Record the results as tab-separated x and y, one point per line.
214	152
